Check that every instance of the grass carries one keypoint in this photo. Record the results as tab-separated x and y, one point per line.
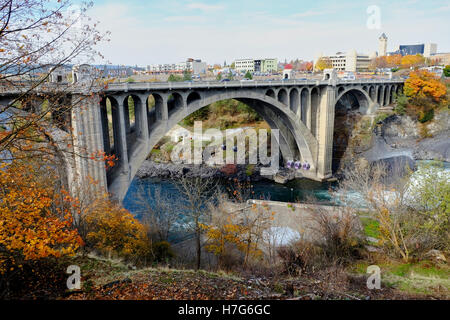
371	227
420	278
380	117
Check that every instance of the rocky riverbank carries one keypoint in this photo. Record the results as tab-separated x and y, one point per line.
151	169
397	141
400	136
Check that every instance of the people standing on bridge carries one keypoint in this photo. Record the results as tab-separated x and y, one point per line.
289	164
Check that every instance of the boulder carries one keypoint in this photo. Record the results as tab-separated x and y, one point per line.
436	256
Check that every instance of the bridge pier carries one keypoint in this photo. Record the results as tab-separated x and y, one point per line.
86	172
325	132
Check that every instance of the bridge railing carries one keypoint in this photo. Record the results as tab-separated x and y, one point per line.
147	86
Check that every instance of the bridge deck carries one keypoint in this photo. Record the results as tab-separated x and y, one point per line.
186	85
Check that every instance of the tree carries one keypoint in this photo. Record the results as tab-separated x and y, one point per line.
394	60
219	76
38	38
198	194
248	75
112	229
323	63
187	76
35	218
423	84
378	63
412	61
306	66
241	228
160	211
447	71
174	78
411	210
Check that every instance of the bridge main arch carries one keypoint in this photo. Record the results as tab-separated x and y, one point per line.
295	140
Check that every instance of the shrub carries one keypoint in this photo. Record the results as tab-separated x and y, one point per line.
162	251
447	71
36	227
401	103
425	116
298	258
35	220
111	229
341	234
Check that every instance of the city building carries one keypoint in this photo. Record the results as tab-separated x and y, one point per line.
429	49
195	66
350	61
442	58
269	65
382	47
287	71
256	65
425	49
58	75
244	65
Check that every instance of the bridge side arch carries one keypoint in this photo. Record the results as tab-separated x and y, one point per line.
361	96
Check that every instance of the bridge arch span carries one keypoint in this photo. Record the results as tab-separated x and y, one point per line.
294	101
296	141
270	93
283	96
358	95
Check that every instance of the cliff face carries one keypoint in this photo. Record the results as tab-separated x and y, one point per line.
404	135
398	137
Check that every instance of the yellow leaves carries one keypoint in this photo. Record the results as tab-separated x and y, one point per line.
112	228
424	84
28	225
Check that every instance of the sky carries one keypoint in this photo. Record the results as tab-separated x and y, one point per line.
170	31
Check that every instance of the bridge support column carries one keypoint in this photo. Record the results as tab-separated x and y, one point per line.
87	175
325	132
120	135
308	110
141	118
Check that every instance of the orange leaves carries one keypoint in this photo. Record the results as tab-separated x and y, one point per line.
102	156
422	84
111	228
412	60
28	225
397	60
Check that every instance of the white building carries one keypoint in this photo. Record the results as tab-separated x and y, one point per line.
382	48
191	65
350	61
59	75
429	49
265	65
244	65
198	67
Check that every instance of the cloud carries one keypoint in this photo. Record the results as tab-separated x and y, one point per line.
309	13
187	19
205	7
144	36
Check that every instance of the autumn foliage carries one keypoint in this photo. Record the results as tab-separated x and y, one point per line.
425	93
422	84
35	222
112	230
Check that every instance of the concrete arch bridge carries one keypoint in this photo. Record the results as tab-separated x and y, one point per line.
303	111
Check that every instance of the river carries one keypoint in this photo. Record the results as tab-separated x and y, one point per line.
296	190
